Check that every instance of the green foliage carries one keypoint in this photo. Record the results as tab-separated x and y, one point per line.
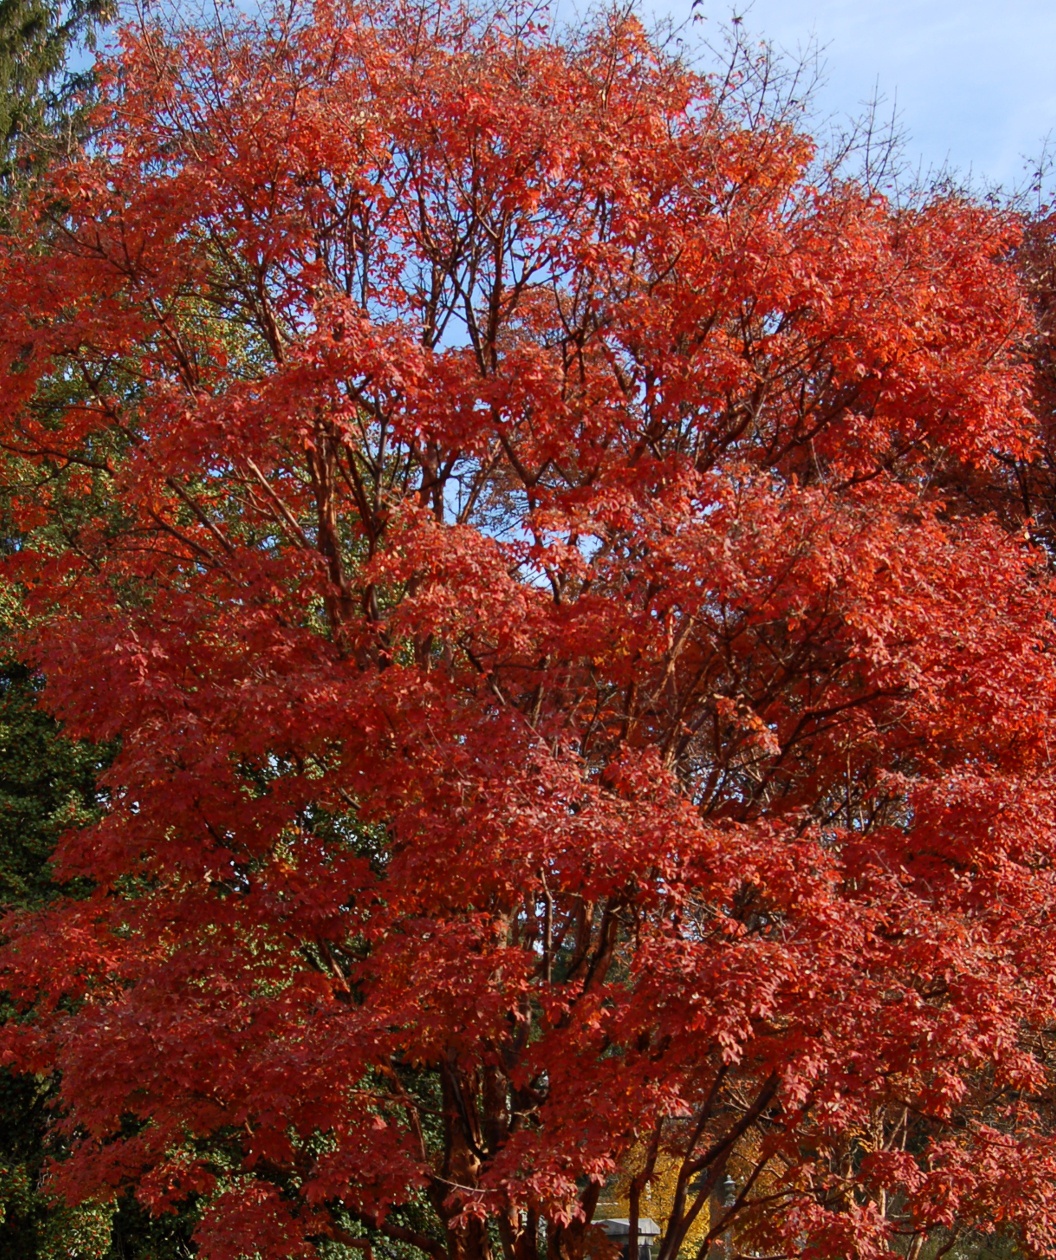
38	85
971	1246
47	784
32	1226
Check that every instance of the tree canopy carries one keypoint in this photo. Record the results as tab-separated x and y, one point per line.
573	717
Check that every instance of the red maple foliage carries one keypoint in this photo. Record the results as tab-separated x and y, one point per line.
496	495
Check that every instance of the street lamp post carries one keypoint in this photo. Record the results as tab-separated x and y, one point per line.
729	1198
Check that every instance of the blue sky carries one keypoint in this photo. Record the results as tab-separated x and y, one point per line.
974	80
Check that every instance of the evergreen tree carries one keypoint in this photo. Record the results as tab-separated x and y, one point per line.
41	46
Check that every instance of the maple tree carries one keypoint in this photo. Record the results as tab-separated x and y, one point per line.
1023	491
47	782
573	717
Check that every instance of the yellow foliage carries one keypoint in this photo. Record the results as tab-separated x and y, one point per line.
656	1200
